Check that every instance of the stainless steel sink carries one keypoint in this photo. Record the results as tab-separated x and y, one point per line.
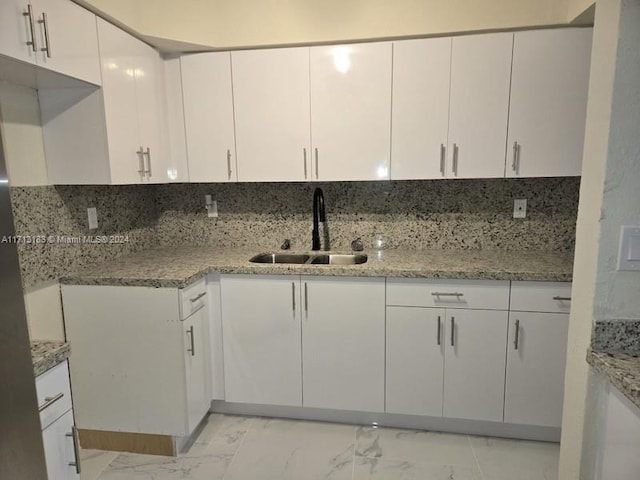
280	258
320	259
339	259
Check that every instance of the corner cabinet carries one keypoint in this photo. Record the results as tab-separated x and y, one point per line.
141	360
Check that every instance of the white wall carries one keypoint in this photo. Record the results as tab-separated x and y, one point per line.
243	23
577	7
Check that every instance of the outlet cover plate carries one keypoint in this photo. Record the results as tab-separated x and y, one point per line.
520	208
92	215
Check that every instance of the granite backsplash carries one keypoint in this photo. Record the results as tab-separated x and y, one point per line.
447	214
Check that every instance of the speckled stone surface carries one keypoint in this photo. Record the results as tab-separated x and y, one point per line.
47	354
126	212
178	267
621	336
429	214
621	369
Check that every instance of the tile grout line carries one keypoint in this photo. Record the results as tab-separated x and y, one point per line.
235	454
353	460
473	450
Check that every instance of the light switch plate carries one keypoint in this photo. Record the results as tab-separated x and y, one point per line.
520	208
92	214
212	209
629	251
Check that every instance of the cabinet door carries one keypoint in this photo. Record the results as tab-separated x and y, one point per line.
351	111
68	33
271	101
475	364
15	30
343	343
118	52
196	355
550	81
208	114
479	105
535	368
262	350
420	110
415	360
58	449
150	103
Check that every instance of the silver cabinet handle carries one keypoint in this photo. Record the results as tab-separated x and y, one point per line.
516	337
453	331
47	45
304	158
317	161
140	154
76	450
439	331
147	153
445	294
306	300
515	165
293	297
562	299
443	154
192	350
229	171
455	159
32	28
197	297
48	401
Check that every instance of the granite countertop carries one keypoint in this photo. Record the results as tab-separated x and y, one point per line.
178	267
621	369
47	354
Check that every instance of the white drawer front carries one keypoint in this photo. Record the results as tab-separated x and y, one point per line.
470	294
193	297
54	394
552	297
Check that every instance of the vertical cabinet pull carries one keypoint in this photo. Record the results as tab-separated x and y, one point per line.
443	154
147	153
32	28
293	297
229	171
191	350
455	159
76	449
306	300
515	164
140	154
453	331
516	338
304	159
439	331
316	153
47	44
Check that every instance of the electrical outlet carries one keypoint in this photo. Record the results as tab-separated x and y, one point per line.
92	214
520	208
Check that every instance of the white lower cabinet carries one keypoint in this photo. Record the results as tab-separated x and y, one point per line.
60	450
343	343
262	339
196	361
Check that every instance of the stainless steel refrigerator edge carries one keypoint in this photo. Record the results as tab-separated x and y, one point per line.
21	449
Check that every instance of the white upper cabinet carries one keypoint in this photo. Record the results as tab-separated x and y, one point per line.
420	108
271	100
17	30
548	107
208	114
351	111
67	41
479	105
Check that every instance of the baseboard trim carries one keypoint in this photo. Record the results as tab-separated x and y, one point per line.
449	425
145	443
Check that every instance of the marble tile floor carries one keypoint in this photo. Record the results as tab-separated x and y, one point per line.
246	448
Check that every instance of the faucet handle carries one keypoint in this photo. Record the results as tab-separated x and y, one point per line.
357	245
286	245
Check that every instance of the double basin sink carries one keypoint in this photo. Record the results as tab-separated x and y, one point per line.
316	259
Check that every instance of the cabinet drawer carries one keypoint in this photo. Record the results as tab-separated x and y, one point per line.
192	298
54	394
552	297
469	294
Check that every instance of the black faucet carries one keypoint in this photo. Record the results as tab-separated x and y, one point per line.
318	216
